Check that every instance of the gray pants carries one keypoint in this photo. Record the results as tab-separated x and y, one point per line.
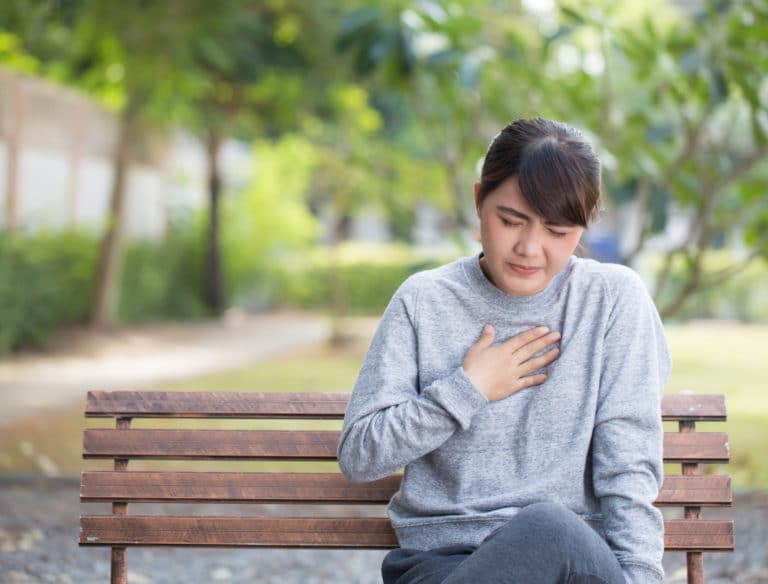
544	543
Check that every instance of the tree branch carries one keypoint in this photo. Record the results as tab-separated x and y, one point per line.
744	166
643	197
726	274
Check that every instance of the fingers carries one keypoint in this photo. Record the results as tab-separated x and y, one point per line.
540	361
519	341
486	337
527	351
530	381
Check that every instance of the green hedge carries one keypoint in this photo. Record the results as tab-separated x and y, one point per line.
45	281
368	279
163	280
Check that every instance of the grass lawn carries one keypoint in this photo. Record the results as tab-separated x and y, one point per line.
712	357
708	358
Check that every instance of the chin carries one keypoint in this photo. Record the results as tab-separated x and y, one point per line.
524	288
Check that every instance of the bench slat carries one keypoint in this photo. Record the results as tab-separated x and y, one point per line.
707	447
693	406
139	404
211	444
698	535
699	491
211	404
365	533
233	487
309	445
707	491
308	532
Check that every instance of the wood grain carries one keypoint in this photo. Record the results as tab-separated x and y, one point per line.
309	445
252	487
204	404
211	444
337	533
310	405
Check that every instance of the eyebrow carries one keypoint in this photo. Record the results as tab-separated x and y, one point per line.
523	216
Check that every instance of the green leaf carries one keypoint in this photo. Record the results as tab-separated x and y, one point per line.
355	22
572	14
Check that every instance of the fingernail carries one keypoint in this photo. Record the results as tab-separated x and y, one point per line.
542	329
487	329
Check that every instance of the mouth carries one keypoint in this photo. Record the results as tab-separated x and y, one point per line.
524	270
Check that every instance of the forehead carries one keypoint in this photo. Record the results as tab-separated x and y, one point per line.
509	200
509	193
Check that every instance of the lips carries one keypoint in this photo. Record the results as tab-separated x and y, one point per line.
524	270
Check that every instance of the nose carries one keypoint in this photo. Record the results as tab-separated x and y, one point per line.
528	243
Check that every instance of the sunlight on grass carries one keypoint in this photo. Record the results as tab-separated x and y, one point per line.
26	445
319	368
708	358
730	358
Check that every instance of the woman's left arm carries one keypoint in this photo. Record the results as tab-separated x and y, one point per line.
628	435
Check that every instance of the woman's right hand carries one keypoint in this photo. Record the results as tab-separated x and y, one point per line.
500	370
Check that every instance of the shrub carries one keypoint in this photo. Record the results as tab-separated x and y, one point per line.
165	279
45	281
370	275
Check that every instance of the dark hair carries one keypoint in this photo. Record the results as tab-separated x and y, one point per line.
557	170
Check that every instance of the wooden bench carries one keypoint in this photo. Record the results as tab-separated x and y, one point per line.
690	490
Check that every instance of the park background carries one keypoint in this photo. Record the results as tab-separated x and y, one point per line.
224	195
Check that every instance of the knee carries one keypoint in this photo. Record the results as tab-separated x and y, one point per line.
551	523
547	513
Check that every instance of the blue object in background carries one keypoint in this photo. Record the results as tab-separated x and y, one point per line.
603	247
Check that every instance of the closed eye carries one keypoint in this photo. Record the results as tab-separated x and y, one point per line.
557	233
506	223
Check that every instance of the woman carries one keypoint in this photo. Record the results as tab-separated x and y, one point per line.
520	389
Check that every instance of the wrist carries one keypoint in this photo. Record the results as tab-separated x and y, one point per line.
479	381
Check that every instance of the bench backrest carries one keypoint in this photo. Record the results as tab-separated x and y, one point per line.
689	490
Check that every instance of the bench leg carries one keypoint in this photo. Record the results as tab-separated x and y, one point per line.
119	560
695	562
119	566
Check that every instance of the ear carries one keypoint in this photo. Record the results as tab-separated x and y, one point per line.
477	198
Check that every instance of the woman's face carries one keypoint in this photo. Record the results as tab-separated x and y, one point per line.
521	251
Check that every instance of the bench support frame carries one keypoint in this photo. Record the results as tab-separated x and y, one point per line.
119	567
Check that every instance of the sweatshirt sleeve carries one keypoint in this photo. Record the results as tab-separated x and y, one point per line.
389	422
628	435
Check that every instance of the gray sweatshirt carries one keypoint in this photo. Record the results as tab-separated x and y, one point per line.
590	437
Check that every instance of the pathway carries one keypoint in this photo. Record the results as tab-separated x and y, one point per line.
139	356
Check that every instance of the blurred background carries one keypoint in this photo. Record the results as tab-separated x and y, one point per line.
224	195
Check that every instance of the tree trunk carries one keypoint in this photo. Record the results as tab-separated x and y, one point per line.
214	293
339	299
107	293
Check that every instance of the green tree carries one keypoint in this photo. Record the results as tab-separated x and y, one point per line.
241	94
223	69
128	57
434	57
678	102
